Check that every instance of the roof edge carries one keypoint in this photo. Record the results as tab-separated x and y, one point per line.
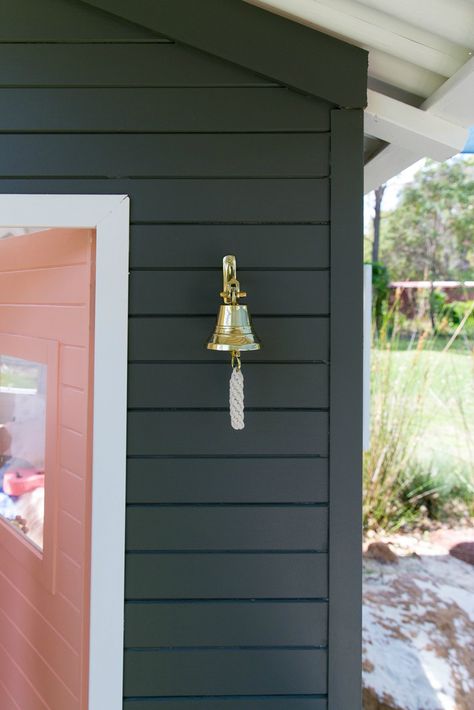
276	47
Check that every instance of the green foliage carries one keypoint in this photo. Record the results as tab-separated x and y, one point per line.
430	234
381	292
437	300
438	495
456	311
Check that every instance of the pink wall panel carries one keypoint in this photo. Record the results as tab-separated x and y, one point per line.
72	454
74	409
42	633
18	684
46	292
74	366
70	536
56	247
37	662
72	492
64	285
69	579
61	615
47	322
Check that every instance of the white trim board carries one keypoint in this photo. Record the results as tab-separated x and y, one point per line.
451	103
109	216
412	128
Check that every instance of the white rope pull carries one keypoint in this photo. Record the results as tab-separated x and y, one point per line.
236	398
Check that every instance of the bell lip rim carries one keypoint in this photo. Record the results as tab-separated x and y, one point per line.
229	331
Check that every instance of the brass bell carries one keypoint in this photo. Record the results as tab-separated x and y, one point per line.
233	331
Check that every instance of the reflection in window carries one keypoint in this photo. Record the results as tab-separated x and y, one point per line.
22	445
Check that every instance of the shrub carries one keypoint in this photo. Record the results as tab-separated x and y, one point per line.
456	311
437	303
440	495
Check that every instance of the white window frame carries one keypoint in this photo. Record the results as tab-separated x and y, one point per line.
109	216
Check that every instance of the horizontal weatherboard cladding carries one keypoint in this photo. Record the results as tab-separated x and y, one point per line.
201	433
252	575
275	246
205	385
170	155
226	480
60	20
205	672
123	64
230	528
180	110
225	624
200	200
284	339
229	703
197	292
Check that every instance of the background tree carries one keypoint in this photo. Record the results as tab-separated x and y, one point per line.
430	234
376	220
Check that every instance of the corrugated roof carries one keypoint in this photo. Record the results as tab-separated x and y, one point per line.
420	56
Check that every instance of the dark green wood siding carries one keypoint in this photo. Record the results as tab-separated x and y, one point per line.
258	40
62	20
227	533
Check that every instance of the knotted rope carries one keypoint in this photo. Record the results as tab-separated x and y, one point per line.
236	398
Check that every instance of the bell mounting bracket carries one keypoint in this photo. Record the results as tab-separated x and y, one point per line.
231	286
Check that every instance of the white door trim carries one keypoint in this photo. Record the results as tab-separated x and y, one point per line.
109	216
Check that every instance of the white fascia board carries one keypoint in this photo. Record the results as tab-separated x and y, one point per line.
402	74
454	100
453	20
412	128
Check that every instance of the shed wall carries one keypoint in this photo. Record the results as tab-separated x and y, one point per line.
227	533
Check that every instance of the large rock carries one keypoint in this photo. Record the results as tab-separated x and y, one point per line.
370	701
381	552
463	551
418	632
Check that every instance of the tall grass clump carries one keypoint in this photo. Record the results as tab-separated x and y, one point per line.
398	402
420	465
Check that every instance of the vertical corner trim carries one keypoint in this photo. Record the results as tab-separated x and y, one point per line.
345	444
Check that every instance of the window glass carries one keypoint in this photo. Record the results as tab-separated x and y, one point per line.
22	445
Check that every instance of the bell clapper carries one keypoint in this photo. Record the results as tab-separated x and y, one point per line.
235	359
236	392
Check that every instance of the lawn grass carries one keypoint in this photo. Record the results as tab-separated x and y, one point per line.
446	446
463	343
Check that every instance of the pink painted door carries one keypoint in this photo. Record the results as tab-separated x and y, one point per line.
46	356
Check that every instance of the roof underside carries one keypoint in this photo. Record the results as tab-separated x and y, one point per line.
421	73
